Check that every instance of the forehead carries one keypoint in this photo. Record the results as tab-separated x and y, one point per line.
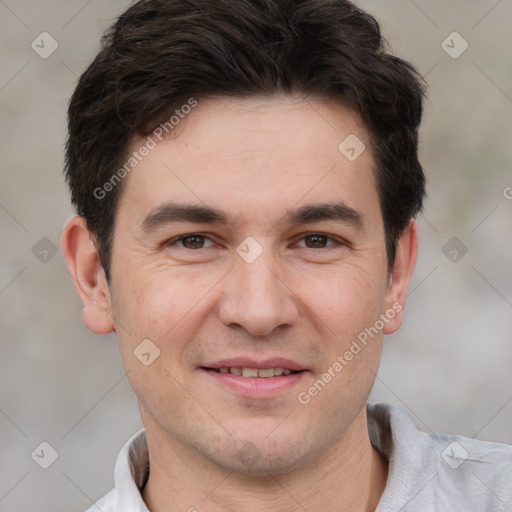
257	155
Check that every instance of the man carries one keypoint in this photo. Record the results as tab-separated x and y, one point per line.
246	179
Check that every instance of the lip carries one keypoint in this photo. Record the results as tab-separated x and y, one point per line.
256	387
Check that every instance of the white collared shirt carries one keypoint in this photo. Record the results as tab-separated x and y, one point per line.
427	472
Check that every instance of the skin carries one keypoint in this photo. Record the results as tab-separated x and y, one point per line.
303	298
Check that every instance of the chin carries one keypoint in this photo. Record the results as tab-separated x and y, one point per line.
261	457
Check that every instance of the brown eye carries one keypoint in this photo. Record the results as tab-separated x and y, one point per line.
316	241
192	241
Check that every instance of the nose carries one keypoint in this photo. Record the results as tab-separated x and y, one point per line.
257	298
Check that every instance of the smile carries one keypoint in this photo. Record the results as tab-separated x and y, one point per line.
263	373
255	383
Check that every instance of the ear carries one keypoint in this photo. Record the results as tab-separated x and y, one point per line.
405	260
88	275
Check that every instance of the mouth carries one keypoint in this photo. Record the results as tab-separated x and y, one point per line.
249	378
260	373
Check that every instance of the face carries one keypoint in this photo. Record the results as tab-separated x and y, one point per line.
251	244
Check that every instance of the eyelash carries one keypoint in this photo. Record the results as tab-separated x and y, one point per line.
334	241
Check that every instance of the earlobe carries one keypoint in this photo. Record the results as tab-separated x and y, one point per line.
88	275
405	260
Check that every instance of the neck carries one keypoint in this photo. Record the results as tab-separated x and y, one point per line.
350	475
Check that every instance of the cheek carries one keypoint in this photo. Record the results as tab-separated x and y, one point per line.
162	304
156	295
346	302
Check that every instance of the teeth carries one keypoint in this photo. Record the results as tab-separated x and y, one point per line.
264	373
250	372
267	372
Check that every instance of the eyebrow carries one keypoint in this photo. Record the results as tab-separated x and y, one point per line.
170	213
338	211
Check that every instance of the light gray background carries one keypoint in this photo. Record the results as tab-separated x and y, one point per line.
449	366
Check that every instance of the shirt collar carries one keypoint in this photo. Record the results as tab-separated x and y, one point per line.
131	474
